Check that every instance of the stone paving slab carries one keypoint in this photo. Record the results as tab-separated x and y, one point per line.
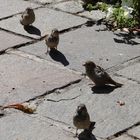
135	132
132	71
10	7
123	137
47	1
23	79
102	106
10	40
84	44
46	19
94	15
19	126
69	6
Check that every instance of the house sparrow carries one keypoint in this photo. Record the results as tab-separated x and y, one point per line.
52	39
81	119
98	75
28	17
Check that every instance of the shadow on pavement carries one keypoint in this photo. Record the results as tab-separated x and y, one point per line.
103	90
83	136
126	38
58	56
32	30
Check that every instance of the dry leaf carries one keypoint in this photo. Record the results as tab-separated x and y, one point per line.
25	107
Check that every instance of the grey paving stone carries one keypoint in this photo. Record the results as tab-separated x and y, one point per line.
10	40
94	15
123	137
47	1
9	7
19	126
135	132
87	44
23	79
46	19
102	106
69	6
132	71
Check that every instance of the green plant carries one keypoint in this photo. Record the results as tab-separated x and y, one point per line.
91	7
103	6
121	20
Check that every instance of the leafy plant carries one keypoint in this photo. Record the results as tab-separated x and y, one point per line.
122	20
102	6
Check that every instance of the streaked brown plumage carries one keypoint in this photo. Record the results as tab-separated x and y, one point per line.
81	119
28	17
98	75
52	39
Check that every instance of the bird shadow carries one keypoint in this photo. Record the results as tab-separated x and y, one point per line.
126	38
87	134
83	136
103	90
32	30
58	56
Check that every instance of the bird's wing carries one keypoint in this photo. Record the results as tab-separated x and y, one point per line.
25	16
101	72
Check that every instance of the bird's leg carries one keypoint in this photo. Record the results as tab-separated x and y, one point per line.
47	50
76	134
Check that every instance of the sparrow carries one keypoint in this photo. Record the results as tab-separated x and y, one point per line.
81	119
28	17
98	75
52	40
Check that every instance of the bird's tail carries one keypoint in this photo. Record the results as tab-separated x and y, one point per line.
115	83
118	84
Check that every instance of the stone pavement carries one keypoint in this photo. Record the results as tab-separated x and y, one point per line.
55	81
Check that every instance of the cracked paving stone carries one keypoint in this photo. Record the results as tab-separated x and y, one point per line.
102	106
9	7
19	126
84	44
123	137
10	40
131	72
69	6
43	24
135	132
23	79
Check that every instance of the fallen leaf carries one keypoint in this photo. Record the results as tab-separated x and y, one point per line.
25	107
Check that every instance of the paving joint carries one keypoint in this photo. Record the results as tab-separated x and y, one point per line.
134	137
4	18
74	14
131	79
122	131
17	34
123	65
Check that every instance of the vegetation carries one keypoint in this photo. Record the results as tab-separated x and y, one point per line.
120	16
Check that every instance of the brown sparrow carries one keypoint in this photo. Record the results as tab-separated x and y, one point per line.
81	119
98	75
28	17
52	39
